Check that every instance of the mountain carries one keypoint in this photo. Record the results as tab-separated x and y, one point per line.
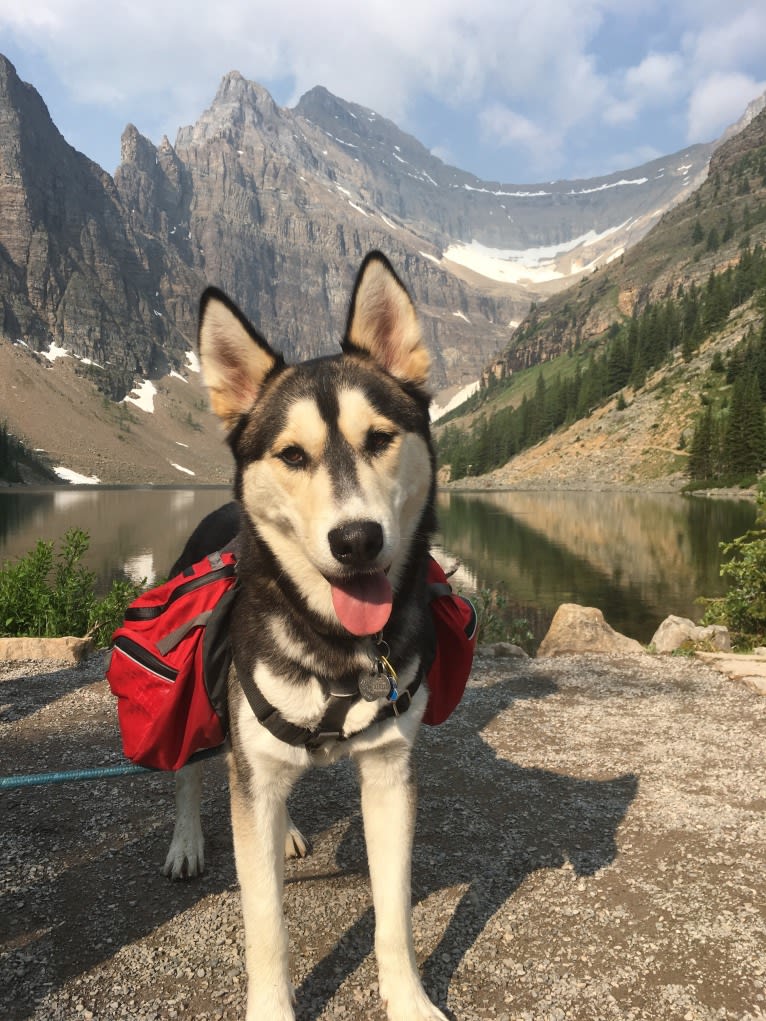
658	336
72	270
730	201
276	206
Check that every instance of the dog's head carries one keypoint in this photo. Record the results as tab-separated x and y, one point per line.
334	458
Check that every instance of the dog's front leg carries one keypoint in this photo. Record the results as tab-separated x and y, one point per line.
259	824
388	809
186	855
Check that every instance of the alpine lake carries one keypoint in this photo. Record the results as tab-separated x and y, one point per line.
636	556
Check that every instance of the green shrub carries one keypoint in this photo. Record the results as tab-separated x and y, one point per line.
495	623
743	608
43	595
108	613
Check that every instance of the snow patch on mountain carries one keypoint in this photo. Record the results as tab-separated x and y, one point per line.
54	352
527	265
438	410
143	396
75	478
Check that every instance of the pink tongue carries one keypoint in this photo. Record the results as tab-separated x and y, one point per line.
363	604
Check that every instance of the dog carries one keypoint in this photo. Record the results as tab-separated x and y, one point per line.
335	487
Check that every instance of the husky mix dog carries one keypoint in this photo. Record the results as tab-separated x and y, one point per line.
335	485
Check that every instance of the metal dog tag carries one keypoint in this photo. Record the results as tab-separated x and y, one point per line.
374	685
380	682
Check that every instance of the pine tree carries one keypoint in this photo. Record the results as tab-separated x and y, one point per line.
744	447
702	454
618	365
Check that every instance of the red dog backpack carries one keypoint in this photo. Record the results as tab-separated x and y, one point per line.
171	658
169	665
455	624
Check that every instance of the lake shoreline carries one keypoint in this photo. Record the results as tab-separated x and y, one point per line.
476	485
637	555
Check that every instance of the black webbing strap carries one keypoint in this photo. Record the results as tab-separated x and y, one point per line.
330	727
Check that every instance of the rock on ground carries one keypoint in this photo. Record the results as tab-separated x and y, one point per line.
53	650
590	844
675	632
582	629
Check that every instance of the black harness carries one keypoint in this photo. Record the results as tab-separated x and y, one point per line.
331	726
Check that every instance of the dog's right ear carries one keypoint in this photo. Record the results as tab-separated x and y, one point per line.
234	357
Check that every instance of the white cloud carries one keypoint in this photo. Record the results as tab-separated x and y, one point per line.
656	82
718	101
620	111
548	76
504	127
733	38
658	76
378	54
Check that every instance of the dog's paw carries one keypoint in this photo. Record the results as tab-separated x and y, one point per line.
410	1003
186	858
296	845
415	1012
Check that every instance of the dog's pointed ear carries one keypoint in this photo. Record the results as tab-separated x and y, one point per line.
234	357
382	322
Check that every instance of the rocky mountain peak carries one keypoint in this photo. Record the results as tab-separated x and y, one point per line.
331	113
239	106
136	148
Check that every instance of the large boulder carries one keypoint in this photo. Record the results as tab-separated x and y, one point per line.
675	632
56	650
582	629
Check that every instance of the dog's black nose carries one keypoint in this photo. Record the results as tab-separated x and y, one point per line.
357	543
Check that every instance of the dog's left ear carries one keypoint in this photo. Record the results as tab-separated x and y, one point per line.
382	322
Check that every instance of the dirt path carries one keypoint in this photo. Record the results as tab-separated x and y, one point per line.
590	845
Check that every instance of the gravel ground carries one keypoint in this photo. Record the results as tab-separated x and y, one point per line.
590	845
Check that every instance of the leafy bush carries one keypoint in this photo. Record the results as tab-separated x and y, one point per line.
43	595
494	624
743	608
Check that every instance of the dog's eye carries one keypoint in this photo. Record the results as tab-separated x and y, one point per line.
377	441
293	456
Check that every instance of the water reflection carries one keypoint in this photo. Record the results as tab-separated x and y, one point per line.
138	532
638	557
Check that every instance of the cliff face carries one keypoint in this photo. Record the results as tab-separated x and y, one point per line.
277	207
251	199
73	269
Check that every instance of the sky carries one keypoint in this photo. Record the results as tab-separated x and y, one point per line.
515	91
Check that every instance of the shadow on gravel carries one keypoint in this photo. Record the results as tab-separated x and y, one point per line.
96	884
23	696
482	821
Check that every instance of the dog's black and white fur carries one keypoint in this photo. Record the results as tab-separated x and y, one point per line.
335	482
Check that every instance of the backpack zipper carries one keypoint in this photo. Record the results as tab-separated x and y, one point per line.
139	655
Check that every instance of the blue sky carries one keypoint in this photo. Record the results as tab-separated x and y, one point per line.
518	92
